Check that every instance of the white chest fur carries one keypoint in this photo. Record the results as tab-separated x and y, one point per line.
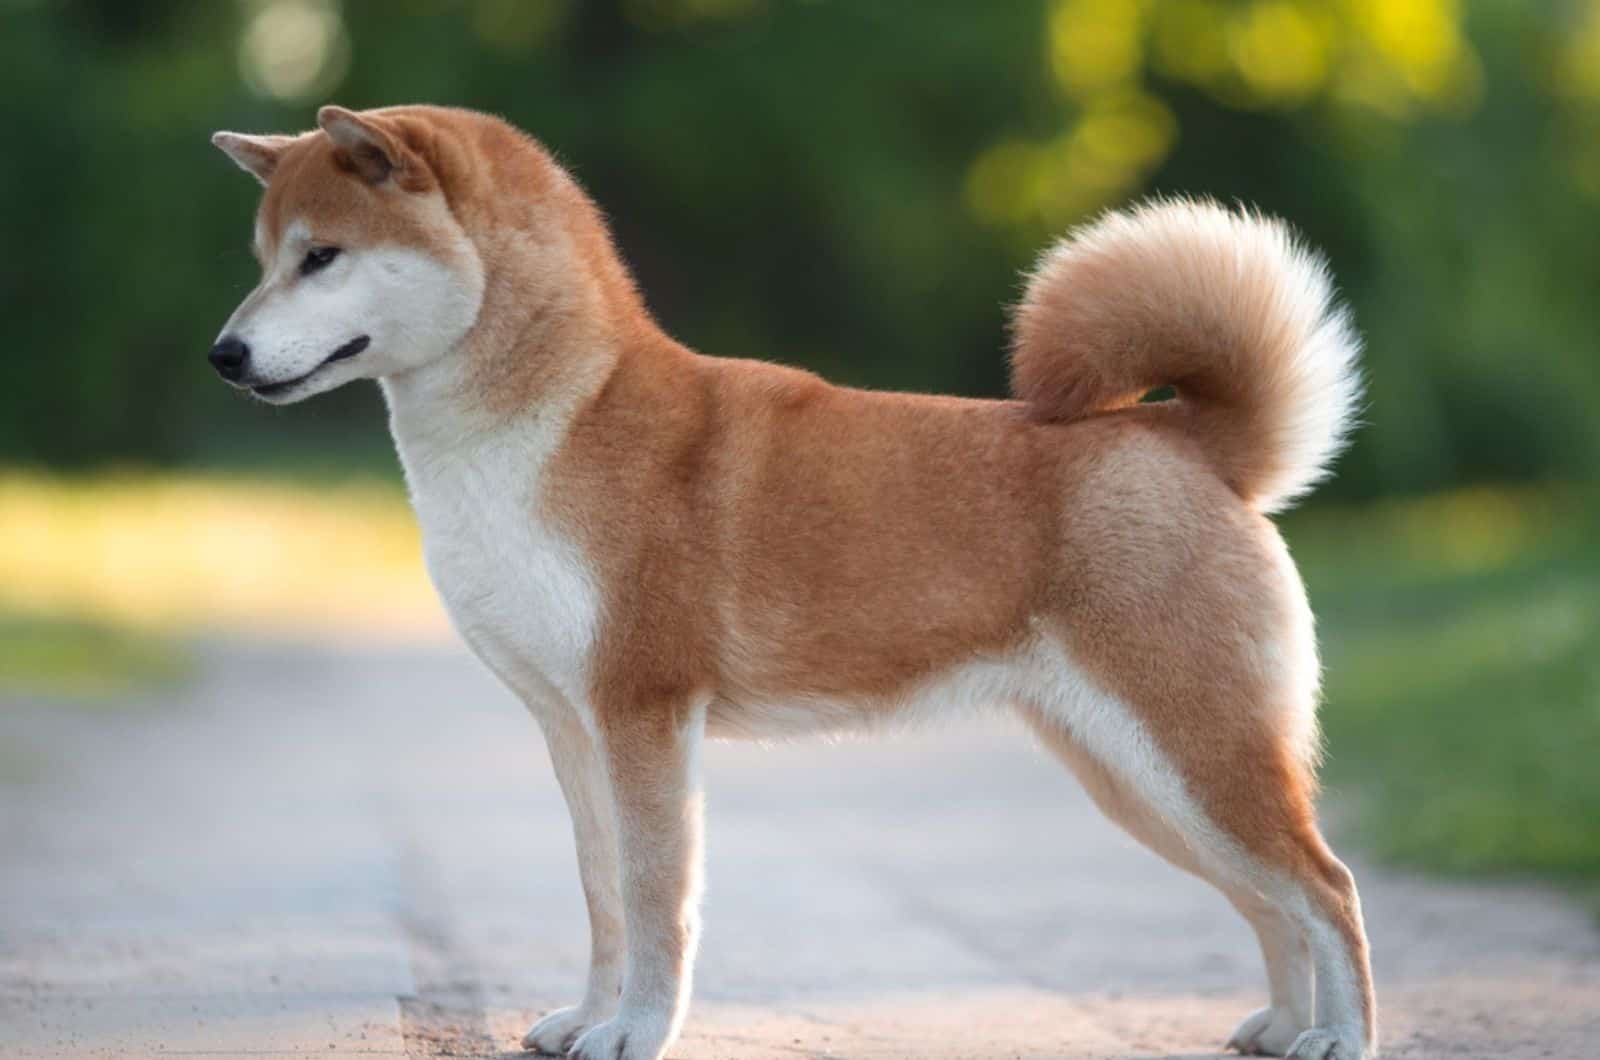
518	591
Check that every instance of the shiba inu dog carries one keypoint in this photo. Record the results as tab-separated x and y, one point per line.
650	546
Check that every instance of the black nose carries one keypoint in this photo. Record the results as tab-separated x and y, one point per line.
229	356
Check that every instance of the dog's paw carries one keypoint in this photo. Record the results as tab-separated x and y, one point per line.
554	1034
1319	1043
632	1034
1267	1032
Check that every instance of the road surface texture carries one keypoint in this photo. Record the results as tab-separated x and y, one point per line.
362	851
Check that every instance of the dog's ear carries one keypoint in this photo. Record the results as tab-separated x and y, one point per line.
256	155
364	145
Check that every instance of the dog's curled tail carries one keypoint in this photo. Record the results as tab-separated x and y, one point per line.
1225	307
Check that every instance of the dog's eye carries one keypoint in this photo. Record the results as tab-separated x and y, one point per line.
317	258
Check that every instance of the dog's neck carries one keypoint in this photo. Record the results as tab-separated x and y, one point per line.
443	415
559	316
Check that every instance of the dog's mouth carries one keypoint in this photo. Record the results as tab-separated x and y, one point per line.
343	353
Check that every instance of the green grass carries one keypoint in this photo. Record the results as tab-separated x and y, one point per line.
82	663
1461	639
78	666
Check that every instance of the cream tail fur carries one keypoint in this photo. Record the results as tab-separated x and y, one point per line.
1226	307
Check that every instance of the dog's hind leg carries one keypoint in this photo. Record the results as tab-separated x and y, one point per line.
1272	864
1289	974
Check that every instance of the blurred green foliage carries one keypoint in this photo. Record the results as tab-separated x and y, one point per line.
1461	638
850	186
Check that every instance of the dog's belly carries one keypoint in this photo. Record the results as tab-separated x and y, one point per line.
974	685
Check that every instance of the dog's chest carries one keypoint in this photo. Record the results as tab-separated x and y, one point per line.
517	589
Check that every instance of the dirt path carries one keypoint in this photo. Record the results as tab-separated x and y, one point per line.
363	852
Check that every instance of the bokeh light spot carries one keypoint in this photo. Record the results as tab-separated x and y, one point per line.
1281	52
294	50
1095	44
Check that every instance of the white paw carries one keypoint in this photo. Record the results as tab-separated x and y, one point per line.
1267	1032
554	1034
1321	1044
632	1034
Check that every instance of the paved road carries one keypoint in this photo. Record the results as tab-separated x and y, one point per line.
363	852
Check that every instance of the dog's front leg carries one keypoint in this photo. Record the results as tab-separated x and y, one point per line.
651	760
582	775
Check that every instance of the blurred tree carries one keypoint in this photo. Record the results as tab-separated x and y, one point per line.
852	187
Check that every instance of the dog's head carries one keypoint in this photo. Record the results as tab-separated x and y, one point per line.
366	272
